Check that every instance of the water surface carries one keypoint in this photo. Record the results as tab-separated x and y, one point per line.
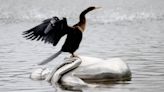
130	30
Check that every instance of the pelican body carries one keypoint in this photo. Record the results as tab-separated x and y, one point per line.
81	71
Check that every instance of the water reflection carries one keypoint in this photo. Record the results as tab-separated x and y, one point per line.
96	87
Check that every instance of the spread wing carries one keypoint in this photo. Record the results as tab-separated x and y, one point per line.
50	31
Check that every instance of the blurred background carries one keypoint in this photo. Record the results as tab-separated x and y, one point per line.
128	29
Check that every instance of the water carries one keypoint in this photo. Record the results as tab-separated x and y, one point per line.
130	30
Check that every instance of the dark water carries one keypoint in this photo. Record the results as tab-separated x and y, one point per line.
132	31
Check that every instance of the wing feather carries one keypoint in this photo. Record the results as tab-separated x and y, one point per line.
58	29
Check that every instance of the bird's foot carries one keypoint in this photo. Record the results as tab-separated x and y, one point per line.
73	55
70	60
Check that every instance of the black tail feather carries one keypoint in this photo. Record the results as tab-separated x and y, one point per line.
50	58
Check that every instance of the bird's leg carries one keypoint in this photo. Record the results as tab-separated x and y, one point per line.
73	55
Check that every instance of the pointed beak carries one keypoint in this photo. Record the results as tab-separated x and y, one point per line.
98	7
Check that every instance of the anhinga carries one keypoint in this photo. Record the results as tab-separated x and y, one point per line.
51	30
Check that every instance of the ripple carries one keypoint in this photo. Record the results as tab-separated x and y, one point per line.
139	43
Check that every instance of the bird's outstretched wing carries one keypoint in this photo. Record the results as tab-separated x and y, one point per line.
50	31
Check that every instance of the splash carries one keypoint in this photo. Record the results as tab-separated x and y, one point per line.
113	11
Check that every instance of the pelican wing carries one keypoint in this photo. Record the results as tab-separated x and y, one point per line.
50	31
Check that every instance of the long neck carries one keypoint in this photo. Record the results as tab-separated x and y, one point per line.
82	21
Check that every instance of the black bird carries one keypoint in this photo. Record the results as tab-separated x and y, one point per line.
52	29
